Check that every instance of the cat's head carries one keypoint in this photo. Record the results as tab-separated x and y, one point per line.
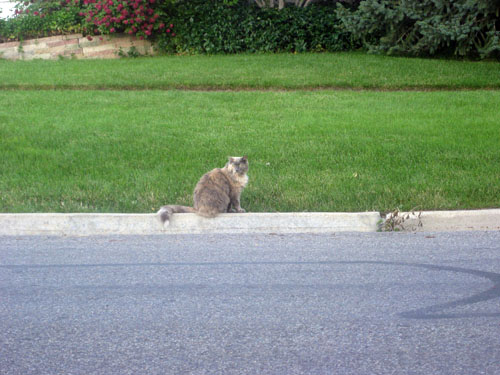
238	164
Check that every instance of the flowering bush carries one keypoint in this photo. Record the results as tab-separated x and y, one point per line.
37	18
143	18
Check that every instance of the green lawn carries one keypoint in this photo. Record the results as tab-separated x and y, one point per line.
133	151
266	71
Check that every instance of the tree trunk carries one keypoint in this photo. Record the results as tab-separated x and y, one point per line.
281	3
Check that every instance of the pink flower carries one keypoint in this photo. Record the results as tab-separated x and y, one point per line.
171	26
173	34
162	25
168	30
35	13
112	30
89	37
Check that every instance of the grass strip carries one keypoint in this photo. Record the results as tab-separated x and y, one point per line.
265	71
133	151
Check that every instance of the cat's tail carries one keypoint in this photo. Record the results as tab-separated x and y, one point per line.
165	213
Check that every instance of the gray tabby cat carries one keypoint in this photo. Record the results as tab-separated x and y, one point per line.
216	192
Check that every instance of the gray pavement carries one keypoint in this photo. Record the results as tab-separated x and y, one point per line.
344	303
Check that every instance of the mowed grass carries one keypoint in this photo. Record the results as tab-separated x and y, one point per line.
133	151
266	71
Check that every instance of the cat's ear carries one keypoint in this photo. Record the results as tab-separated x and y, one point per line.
231	159
244	158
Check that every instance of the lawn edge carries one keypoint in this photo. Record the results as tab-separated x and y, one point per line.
246	88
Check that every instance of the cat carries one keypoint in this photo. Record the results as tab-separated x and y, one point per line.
217	191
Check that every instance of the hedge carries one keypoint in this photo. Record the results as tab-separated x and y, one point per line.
216	27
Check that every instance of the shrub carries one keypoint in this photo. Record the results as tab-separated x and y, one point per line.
427	27
294	29
39	18
220	27
144	18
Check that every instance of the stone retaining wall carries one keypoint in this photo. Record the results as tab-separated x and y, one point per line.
74	46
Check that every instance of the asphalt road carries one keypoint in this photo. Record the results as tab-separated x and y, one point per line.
351	303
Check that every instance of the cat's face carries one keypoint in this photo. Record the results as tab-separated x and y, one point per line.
239	164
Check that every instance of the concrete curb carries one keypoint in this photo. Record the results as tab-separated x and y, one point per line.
315	222
442	221
149	224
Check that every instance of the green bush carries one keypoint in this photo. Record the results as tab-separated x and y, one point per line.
218	27
41	18
427	27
